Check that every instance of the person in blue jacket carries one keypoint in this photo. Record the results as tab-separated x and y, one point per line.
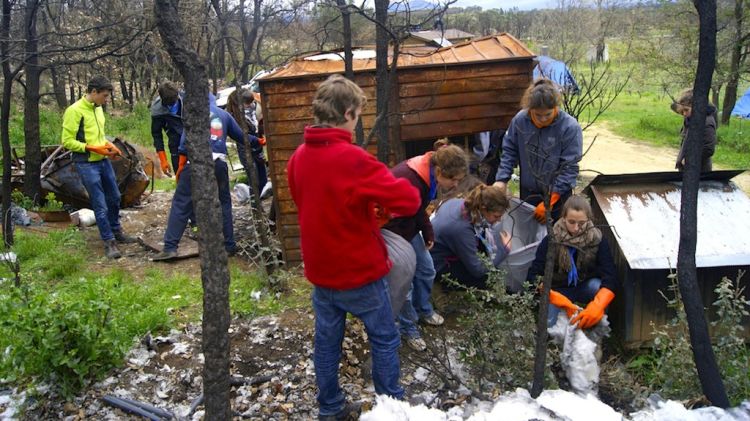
463	231
222	125
546	144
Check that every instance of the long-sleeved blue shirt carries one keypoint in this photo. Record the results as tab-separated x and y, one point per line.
547	156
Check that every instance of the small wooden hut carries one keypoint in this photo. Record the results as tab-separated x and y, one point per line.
466	88
640	217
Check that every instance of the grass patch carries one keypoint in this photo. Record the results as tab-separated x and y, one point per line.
646	117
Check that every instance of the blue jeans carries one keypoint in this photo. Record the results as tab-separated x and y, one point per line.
371	304
99	180
418	300
583	293
182	208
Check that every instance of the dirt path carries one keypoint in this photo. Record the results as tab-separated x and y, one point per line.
612	154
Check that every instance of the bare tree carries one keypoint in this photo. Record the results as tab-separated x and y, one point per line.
214	271
703	354
596	92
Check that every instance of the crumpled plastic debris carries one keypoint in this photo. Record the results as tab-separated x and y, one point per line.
578	356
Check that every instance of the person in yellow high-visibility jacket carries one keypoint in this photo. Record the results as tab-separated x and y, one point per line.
83	135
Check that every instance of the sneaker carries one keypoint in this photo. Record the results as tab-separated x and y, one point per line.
123	238
351	411
164	255
434	319
111	250
417	344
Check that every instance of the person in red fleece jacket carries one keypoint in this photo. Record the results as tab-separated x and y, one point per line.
336	185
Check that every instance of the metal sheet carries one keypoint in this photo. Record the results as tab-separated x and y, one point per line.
645	218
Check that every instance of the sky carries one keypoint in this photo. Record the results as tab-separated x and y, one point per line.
504	4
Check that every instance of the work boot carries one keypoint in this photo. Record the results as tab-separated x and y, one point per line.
417	344
434	319
351	412
110	249
123	238
165	255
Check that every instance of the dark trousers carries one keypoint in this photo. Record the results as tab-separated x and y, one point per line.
182	208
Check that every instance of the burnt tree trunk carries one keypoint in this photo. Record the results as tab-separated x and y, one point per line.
33	156
703	354
214	271
381	79
540	356
346	20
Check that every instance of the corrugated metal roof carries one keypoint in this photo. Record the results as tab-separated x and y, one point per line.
449	34
491	48
644	212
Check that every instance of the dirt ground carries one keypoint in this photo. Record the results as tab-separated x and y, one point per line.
612	154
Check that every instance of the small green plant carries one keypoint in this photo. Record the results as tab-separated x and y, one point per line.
51	204
21	200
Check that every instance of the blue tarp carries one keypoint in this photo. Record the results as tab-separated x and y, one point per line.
742	106
556	71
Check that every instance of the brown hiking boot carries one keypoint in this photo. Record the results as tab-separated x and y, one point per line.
111	250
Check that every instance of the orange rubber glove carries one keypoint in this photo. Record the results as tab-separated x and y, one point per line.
594	311
164	163
563	303
540	211
107	149
180	166
262	141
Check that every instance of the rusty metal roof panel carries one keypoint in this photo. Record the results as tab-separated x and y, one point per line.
644	213
497	47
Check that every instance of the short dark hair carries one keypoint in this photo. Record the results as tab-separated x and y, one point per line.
99	83
168	92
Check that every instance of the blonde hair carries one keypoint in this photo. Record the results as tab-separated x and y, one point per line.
484	198
578	203
451	160
541	94
334	97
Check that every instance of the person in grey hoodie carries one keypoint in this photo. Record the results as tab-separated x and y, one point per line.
684	107
546	144
166	115
462	232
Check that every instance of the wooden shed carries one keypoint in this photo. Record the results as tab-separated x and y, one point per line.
466	88
640	217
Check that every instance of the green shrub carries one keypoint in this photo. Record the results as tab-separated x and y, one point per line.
669	367
64	342
501	345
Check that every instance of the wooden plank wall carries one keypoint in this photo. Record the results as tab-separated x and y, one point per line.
435	102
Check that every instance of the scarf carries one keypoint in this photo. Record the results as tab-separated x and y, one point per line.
579	250
540	125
